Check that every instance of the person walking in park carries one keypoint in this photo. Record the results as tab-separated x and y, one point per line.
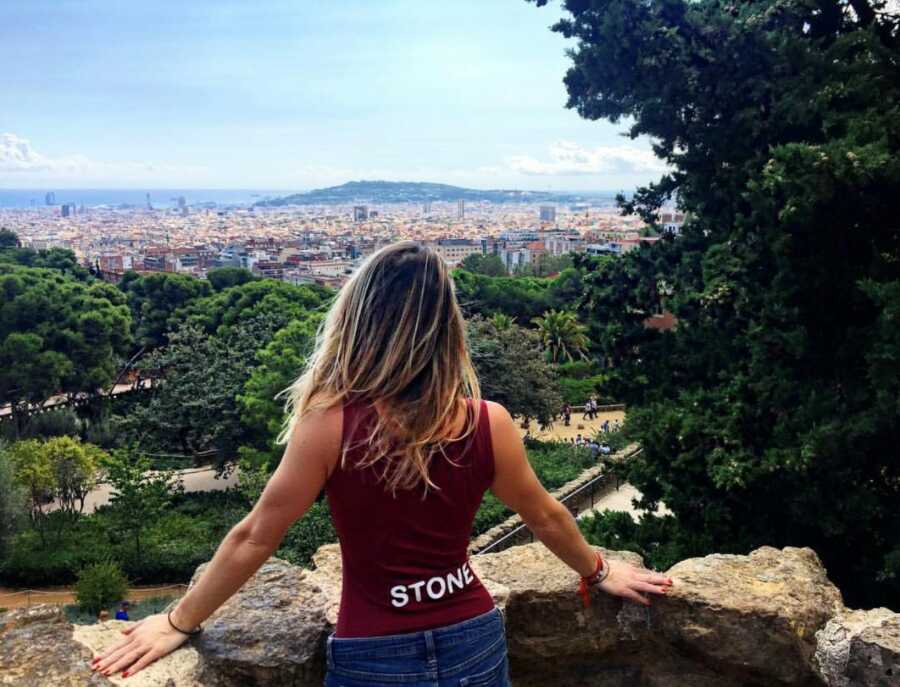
387	418
567	414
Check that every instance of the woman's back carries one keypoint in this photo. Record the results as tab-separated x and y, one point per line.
405	558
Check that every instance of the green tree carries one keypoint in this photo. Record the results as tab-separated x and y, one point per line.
512	370
12	502
223	278
501	321
276	301
154	300
488	265
140	496
562	336
9	239
520	297
280	363
57	335
60	471
75	468
99	586
764	416
194	407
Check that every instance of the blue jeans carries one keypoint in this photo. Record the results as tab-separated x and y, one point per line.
468	654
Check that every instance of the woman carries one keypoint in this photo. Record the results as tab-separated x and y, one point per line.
387	419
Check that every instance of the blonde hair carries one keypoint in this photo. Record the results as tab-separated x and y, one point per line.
394	339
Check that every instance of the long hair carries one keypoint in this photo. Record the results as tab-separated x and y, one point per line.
394	339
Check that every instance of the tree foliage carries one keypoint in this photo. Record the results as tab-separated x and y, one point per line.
57	476
562	336
488	265
194	406
155	298
279	364
770	414
140	496
512	369
57	335
12	502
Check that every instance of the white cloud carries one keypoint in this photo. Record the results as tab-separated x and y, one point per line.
570	159
18	157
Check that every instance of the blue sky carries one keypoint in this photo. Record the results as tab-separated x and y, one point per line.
296	94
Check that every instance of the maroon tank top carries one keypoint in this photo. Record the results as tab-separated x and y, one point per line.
405	559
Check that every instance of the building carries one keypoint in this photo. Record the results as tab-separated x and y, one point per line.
426	207
66	210
50	198
671	222
360	213
460	209
514	257
560	245
548	213
454	251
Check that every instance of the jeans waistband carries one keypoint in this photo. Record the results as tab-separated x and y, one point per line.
424	643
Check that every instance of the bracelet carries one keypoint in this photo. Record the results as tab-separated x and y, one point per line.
600	574
594	578
178	629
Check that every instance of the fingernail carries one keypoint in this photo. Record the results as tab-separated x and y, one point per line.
125	674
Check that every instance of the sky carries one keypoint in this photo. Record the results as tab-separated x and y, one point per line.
297	94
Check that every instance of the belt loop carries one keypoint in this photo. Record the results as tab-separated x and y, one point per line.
329	655
430	653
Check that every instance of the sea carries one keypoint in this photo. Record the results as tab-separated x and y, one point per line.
124	198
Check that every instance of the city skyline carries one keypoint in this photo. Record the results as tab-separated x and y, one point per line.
228	96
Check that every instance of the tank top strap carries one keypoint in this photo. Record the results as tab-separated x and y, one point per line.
484	449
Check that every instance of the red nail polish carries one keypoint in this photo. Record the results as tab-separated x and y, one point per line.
125	674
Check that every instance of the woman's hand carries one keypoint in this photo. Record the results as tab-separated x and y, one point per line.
150	639
633	583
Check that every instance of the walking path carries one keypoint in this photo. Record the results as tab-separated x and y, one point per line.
620	499
194	479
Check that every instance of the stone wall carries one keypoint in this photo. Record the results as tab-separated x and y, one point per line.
770	618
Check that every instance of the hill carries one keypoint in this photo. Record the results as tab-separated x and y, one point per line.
414	192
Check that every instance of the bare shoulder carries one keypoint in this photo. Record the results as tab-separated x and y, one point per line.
505	437
498	414
317	437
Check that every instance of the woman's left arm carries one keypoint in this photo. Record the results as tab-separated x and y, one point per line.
309	457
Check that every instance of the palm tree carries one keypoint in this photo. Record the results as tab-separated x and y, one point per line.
502	321
562	335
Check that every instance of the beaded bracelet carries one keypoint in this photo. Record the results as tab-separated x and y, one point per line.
178	629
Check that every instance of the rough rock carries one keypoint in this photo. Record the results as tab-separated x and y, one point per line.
760	620
860	648
179	669
37	648
270	633
751	617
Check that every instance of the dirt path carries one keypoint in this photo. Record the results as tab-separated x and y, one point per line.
15	598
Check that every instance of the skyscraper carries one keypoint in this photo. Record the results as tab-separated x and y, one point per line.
360	213
460	209
149	206
426	207
548	213
50	198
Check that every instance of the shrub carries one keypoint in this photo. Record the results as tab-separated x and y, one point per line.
99	586
53	423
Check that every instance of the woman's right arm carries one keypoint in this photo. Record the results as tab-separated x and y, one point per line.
516	485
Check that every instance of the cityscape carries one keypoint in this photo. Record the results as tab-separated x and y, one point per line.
316	243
